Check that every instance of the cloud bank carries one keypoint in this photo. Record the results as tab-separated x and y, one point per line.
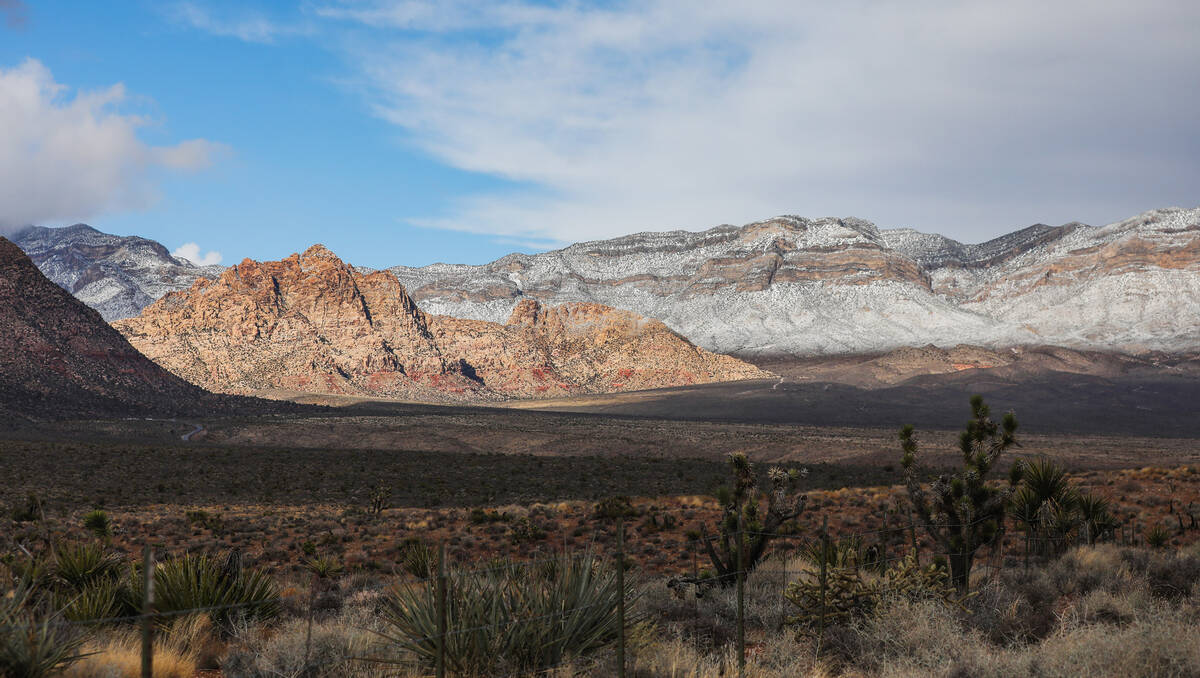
70	158
191	252
967	118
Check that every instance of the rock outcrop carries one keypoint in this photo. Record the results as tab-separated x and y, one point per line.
116	275
312	323
60	360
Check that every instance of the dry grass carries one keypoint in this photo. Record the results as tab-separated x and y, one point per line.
119	655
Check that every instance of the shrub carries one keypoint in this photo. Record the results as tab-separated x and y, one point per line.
509	618
79	565
223	589
33	642
98	523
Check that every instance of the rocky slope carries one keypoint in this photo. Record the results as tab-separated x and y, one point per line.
59	359
118	276
312	323
839	286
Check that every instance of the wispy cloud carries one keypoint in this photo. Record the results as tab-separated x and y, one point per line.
970	118
67	156
245	25
191	252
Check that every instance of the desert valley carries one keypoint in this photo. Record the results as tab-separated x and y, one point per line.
593	339
307	412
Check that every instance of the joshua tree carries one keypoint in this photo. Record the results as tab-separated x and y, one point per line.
1052	509
743	513
960	511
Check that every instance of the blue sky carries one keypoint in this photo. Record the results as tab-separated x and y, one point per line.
408	132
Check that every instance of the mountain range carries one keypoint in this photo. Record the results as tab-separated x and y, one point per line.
312	323
116	275
785	286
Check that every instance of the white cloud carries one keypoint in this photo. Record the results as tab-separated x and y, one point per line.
191	252
73	157
246	26
969	118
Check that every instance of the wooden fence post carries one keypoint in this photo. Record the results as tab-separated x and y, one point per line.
148	612
621	596
824	574
441	612
741	594
912	535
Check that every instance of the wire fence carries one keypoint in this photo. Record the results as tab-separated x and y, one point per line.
818	557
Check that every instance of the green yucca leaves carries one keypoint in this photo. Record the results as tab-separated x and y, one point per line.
33	643
511	617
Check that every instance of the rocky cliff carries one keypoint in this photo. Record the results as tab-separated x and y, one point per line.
313	323
60	360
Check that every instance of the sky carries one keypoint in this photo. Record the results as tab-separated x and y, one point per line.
411	132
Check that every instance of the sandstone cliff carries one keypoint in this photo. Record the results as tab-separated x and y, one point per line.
313	323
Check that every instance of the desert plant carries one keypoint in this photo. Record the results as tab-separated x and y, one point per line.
98	523
324	567
418	559
848	593
1157	536
222	588
961	511
507	619
29	511
33	641
77	566
745	528
379	499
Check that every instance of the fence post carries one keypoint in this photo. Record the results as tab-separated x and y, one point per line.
441	612
883	542
824	573
696	604
741	594
912	535
147	612
621	596
312	597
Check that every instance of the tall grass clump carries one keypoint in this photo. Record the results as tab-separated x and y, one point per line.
511	618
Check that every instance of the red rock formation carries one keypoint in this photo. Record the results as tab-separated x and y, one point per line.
313	323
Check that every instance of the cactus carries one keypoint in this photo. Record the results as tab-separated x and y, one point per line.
742	513
960	511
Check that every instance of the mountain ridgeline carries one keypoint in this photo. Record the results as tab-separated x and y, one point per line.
785	286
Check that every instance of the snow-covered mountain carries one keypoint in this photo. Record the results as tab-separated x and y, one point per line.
116	275
799	286
788	285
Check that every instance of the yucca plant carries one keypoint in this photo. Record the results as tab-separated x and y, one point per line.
418	559
1096	512
1157	536
76	566
33	642
510	618
324	567
98	523
103	599
221	588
